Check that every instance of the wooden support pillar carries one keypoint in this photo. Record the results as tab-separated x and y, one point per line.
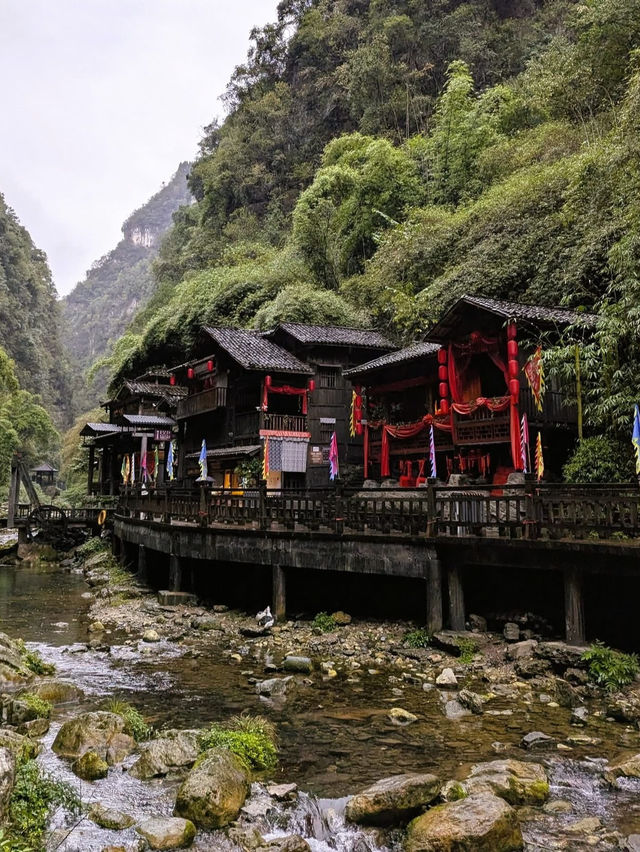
92	455
142	563
279	594
456	599
23	535
14	495
574	607
175	573
434	595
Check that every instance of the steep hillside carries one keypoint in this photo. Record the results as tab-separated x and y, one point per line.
29	317
98	310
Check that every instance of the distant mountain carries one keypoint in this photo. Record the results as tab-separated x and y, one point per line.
98	309
30	317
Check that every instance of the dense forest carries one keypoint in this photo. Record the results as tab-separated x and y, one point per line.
98	309
29	318
381	158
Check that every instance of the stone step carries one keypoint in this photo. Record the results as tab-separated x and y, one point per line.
167	598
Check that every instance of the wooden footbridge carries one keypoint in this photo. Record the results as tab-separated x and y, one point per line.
437	534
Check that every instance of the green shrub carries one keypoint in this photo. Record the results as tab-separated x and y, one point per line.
33	661
134	723
468	649
251	738
610	669
600	459
34	795
39	706
418	638
92	546
324	622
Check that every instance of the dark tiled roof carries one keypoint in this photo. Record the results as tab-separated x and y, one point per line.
333	335
151	421
228	452
153	389
401	356
45	467
535	314
253	351
90	429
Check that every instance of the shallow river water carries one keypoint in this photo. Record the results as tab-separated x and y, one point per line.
334	734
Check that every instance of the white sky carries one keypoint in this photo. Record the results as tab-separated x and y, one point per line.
101	100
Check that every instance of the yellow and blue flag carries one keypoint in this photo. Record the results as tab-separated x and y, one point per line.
202	461
170	462
635	437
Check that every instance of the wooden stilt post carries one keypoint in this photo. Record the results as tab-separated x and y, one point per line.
279	595
92	455
142	563
456	599
574	607
14	495
434	595
175	573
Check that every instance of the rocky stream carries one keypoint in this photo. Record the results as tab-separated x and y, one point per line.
485	741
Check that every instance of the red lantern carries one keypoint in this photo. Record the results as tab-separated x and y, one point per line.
172	380
514	368
514	388
312	385
444	406
511	331
443	373
210	365
442	356
190	372
512	348
443	389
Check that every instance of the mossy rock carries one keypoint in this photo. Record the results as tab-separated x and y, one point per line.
110	818
214	791
515	781
90	767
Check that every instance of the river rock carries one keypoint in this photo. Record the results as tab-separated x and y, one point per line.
511	632
167	832
561	656
151	636
341	618
96	627
514	781
173	751
291	843
624	707
400	716
283	792
454	710
477	623
585	826
110	818
471	700
16	711
447	679
537	741
13	669
449	640
479	823
579	716
90	767
274	686
7	778
214	791
169	598
297	664
629	768
632	843
394	799
57	691
34	727
532	667
97	731
521	650
20	746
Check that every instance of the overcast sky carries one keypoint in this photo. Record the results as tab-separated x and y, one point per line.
101	100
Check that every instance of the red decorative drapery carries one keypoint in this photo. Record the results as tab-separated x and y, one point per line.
495	404
286	389
409	430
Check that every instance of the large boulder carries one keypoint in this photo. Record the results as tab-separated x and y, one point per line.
100	732
479	823
90	767
561	656
13	668
57	691
629	768
167	832
514	781
214	791
7	778
20	746
173	751
110	818
394	799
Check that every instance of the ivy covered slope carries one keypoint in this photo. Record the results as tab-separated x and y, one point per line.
98	310
381	159
29	316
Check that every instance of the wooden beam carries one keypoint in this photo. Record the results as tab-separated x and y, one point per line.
456	599
279	593
14	494
175	573
434	595
575	633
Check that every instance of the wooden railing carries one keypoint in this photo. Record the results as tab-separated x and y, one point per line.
516	511
200	403
284	422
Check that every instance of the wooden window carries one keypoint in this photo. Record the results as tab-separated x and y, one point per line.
328	377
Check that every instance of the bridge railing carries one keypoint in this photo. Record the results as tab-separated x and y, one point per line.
524	510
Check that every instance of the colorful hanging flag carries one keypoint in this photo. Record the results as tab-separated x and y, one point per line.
265	459
156	463
635	438
144	473
334	468
539	458
202	461
432	453
534	371
170	461
355	420
524	444
133	468
124	470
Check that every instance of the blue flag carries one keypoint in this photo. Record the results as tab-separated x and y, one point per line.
202	461
432	454
635	437
170	462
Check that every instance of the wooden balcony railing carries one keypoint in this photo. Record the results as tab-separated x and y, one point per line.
284	422
528	511
200	403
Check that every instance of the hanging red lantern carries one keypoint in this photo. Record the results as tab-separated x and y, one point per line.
443	389
511	331
514	388
172	380
512	348
443	373
210	365
190	372
514	368
312	385
442	356
444	406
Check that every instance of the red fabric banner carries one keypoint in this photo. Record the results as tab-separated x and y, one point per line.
410	430
495	404
286	389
